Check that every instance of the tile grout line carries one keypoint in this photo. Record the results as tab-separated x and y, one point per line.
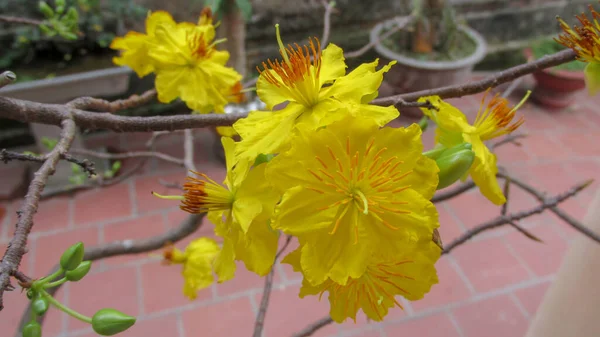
513	298
462	274
455	323
514	254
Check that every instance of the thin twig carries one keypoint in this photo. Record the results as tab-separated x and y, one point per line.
18	244
158	134
96	104
314	327
328	5
188	150
127	155
451	193
512	138
126	247
561	214
18	20
400	24
264	302
86	165
504	219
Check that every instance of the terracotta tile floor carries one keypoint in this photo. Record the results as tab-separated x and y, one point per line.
489	287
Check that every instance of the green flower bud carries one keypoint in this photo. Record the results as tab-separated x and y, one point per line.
72	257
79	272
108	322
40	305
45	9
436	152
453	166
30	294
32	329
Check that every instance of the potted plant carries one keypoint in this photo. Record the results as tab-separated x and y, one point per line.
431	50
555	87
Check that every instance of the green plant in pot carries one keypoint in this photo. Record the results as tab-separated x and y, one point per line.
555	87
432	48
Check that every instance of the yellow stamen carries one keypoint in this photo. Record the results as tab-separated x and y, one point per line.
169	197
364	200
281	46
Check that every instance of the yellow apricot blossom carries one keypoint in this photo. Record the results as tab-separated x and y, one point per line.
585	41
185	60
240	210
410	274
494	119
197	260
350	190
317	91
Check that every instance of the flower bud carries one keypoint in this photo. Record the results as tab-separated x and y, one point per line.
32	329
79	272
72	257
45	9
436	152
108	322
40	304
29	293
453	164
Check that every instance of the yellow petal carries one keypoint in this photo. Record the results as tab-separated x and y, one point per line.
446	116
245	210
197	270
265	132
258	247
270	93
332	64
483	172
424	177
360	85
134	47
225	262
158	18
592	77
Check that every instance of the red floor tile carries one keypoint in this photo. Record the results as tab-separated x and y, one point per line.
117	288
510	154
553	178
139	228
450	289
494	317
580	143
542	258
488	264
531	297
169	280
438	325
49	248
543	146
231	318
103	204
449	227
472	208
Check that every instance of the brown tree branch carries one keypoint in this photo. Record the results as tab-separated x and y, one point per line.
188	150
314	327
126	247
561	214
264	302
18	244
127	155
96	104
505	219
86	165
18	20
489	82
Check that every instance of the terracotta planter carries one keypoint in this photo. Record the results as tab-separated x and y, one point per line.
555	89
410	75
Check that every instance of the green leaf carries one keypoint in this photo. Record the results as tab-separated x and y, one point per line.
32	329
45	9
245	7
49	143
72	257
108	322
79	272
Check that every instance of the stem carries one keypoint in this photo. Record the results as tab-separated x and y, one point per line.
55	283
52	276
67	310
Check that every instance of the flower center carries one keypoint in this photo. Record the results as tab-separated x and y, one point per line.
583	40
297	75
204	195
496	119
366	181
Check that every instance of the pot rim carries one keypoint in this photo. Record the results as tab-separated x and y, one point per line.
478	54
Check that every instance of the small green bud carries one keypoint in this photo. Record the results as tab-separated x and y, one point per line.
68	36
45	9
32	329
436	152
72	257
30	294
453	166
79	272
108	322
263	158
40	305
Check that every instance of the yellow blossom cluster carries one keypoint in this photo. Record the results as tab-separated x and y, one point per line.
323	165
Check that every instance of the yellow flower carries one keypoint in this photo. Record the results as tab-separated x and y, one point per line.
317	91
585	41
197	260
410	275
241	212
185	61
135	46
493	120
350	190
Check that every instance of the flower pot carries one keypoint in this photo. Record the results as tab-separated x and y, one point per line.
410	75
555	89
